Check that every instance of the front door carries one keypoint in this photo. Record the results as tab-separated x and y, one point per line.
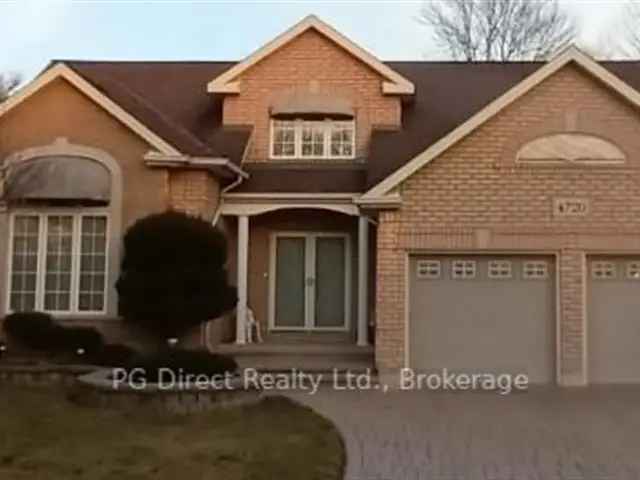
310	281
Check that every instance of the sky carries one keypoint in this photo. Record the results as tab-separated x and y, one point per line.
36	31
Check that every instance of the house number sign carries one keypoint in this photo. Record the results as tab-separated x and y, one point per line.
570	207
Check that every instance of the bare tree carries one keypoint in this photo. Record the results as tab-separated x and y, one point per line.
632	28
499	30
8	83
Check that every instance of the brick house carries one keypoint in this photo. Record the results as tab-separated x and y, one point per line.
473	216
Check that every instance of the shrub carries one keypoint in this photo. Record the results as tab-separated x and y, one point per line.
34	330
38	331
196	362
173	274
70	339
113	355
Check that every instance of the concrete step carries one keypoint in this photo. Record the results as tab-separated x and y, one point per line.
307	349
307	357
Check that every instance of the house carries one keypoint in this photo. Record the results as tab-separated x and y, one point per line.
469	216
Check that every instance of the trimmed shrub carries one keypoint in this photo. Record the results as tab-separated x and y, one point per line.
38	331
70	339
113	355
34	330
196	362
173	274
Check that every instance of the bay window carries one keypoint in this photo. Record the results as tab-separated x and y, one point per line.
312	139
58	262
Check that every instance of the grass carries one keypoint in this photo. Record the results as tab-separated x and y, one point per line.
44	436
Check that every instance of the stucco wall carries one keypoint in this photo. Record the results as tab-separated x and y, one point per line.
59	110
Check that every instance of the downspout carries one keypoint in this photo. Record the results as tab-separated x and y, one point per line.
205	331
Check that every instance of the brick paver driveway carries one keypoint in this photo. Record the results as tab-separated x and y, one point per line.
543	434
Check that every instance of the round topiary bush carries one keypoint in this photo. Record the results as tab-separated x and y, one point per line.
173	274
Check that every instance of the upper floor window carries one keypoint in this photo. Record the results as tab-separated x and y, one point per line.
313	139
58	262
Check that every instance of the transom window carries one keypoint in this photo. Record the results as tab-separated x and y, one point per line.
323	139
603	270
58	263
463	269
633	270
428	269
535	270
499	269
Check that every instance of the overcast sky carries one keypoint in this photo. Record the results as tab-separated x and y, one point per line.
36	31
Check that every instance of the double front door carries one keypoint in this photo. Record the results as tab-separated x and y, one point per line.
310	281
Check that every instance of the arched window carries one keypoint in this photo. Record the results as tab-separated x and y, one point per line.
576	148
65	207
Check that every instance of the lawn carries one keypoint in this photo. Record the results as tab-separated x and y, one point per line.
44	436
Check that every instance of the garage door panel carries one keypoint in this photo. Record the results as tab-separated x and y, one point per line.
482	323
614	319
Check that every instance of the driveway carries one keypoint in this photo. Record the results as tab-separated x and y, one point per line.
544	434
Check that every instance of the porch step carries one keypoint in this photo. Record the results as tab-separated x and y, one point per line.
310	358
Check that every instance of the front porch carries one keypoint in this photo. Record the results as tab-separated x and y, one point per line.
305	279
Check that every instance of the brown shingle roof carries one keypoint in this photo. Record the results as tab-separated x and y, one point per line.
171	99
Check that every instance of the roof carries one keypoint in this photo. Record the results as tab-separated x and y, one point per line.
171	99
570	55
394	84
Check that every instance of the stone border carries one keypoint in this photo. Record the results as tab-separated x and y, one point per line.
95	389
42	374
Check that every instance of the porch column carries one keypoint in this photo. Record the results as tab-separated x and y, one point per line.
363	281
243	265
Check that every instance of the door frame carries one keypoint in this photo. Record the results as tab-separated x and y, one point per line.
310	270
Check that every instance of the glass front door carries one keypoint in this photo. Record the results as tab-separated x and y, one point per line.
310	281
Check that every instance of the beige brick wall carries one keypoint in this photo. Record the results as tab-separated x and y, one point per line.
474	197
194	192
312	62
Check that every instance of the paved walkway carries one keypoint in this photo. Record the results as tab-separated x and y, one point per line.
545	434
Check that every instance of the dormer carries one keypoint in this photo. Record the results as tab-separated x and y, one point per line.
311	94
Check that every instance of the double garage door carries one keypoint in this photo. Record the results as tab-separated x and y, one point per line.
497	314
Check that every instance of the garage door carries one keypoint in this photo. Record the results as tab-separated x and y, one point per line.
485	314
613	317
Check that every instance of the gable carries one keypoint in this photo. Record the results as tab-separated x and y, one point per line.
480	181
392	83
570	57
62	71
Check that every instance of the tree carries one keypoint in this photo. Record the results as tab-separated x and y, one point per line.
8	83
498	30
632	28
173	274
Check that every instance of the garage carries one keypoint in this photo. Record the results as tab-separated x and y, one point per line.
483	314
613	317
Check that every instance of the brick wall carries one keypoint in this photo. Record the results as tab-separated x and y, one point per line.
312	62
194	192
475	197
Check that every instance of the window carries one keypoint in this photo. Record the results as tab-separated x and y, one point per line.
58	263
284	139
633	270
603	270
428	269
463	269
324	139
499	269
535	270
342	140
